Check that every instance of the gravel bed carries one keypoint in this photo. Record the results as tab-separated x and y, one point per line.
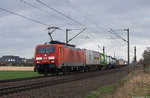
74	89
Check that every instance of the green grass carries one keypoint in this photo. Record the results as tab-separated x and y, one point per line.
148	70
106	89
124	79
4	75
103	90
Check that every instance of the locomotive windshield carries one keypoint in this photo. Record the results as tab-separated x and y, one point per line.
46	49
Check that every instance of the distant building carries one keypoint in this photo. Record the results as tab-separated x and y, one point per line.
23	60
11	59
30	61
2	64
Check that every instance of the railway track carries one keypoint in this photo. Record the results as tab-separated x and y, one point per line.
26	87
32	78
21	79
29	78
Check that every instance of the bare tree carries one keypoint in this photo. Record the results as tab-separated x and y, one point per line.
146	58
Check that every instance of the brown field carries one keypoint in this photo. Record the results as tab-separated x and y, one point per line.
16	68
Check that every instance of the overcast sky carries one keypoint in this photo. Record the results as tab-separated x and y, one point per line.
19	36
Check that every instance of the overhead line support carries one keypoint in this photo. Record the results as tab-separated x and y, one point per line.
74	36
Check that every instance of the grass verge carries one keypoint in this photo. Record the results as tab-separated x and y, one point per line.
4	75
103	90
106	89
147	70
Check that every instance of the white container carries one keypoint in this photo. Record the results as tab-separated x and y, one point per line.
114	61
111	61
108	60
121	62
92	57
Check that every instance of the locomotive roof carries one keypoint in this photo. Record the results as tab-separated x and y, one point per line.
65	46
62	43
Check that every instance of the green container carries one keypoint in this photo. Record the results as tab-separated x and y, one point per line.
102	59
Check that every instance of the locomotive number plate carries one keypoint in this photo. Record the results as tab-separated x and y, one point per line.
45	58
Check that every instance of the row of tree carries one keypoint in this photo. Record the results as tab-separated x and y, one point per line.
146	58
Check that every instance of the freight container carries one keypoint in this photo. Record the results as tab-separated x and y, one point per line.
105	59
108	60
102	59
113	61
91	57
121	62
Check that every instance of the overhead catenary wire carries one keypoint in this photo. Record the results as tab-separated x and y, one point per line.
29	4
114	44
110	47
91	18
117	35
41	9
66	16
30	18
82	13
60	13
24	17
77	9
57	11
38	9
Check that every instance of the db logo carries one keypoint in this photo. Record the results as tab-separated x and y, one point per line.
45	58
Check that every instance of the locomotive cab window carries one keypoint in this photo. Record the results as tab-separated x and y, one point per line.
60	49
46	49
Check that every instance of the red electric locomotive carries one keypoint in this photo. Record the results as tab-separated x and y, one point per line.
58	57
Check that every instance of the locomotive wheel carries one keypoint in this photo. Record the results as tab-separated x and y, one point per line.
45	74
64	70
57	71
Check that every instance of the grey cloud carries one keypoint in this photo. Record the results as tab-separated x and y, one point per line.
21	34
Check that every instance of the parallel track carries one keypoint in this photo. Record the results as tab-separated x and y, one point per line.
21	79
16	89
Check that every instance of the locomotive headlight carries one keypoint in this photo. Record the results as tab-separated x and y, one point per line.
38	58
38	62
52	61
51	57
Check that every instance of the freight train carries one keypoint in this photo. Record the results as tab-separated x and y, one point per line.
58	57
